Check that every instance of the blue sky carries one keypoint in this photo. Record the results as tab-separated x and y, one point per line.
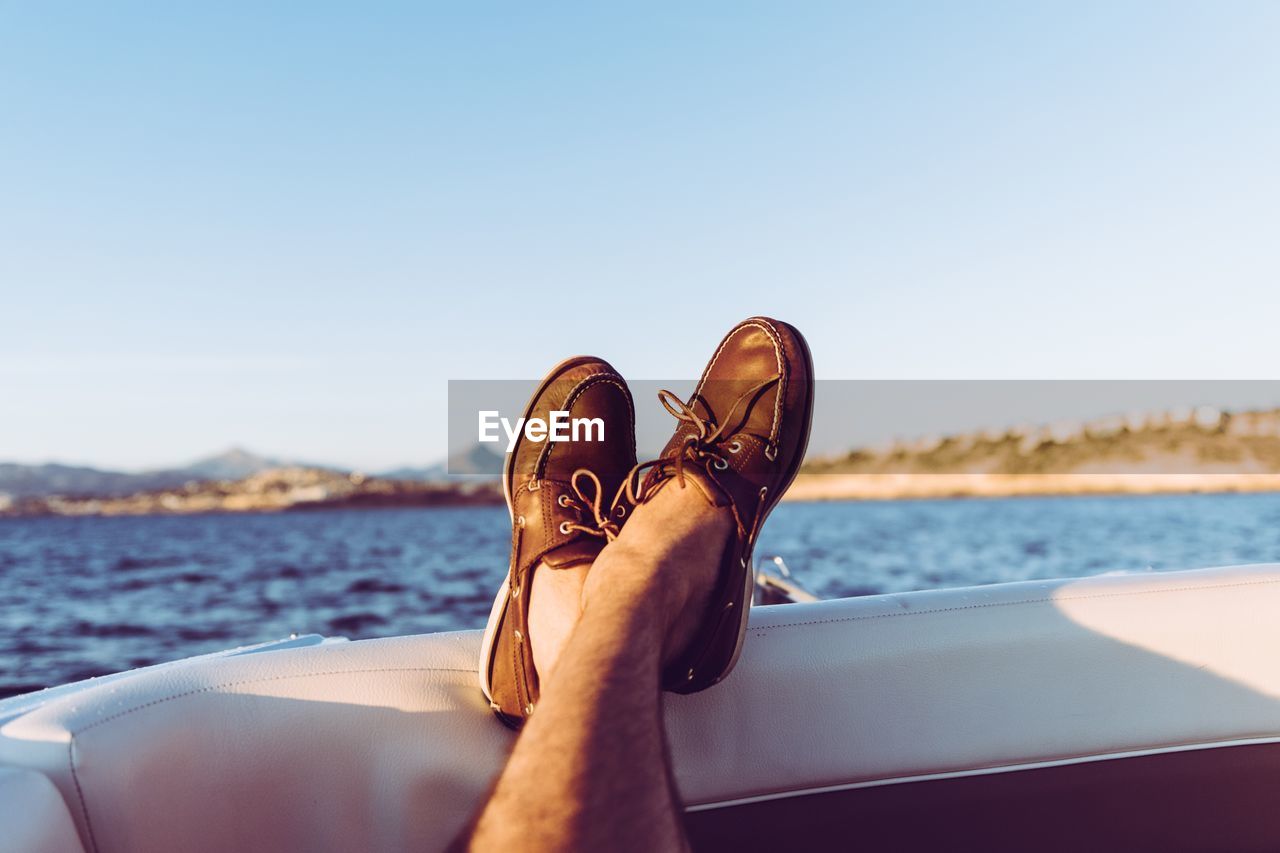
287	228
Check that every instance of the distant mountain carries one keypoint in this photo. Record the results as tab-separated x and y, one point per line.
274	490
38	480
23	481
31	481
235	464
1199	441
425	474
478	461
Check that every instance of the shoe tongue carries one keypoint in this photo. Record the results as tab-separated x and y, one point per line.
715	494
575	553
696	478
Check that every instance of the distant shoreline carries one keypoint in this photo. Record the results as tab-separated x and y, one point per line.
811	488
807	488
1196	451
274	490
1199	451
307	509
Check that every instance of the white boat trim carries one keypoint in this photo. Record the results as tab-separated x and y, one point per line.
979	771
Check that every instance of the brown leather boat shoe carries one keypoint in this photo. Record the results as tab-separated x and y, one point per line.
561	498
740	441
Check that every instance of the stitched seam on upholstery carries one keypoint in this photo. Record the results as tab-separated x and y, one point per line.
1158	749
84	807
1192	746
215	687
764	629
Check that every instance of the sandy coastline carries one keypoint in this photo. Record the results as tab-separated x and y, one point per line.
831	487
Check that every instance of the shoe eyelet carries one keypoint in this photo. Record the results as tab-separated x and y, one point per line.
689	677
520	521
563	500
742	561
735	446
763	491
528	709
620	511
720	464
515	591
564	528
519	636
771	453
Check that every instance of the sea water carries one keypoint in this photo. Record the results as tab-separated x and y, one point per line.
87	596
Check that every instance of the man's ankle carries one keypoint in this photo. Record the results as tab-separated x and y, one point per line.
665	582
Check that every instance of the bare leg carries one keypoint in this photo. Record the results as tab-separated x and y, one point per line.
591	770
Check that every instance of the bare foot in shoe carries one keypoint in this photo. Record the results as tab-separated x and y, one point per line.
555	604
557	496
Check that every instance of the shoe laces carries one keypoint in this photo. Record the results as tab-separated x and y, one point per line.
600	523
704	444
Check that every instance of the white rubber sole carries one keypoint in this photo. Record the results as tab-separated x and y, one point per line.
496	613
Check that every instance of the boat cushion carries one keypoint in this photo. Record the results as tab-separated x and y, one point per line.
386	745
33	816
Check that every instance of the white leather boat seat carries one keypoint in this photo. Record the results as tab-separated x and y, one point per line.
33	815
1140	711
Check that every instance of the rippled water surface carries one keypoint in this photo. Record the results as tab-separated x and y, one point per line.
86	596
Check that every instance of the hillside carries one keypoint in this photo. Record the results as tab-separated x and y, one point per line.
273	490
1196	450
1200	450
25	481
